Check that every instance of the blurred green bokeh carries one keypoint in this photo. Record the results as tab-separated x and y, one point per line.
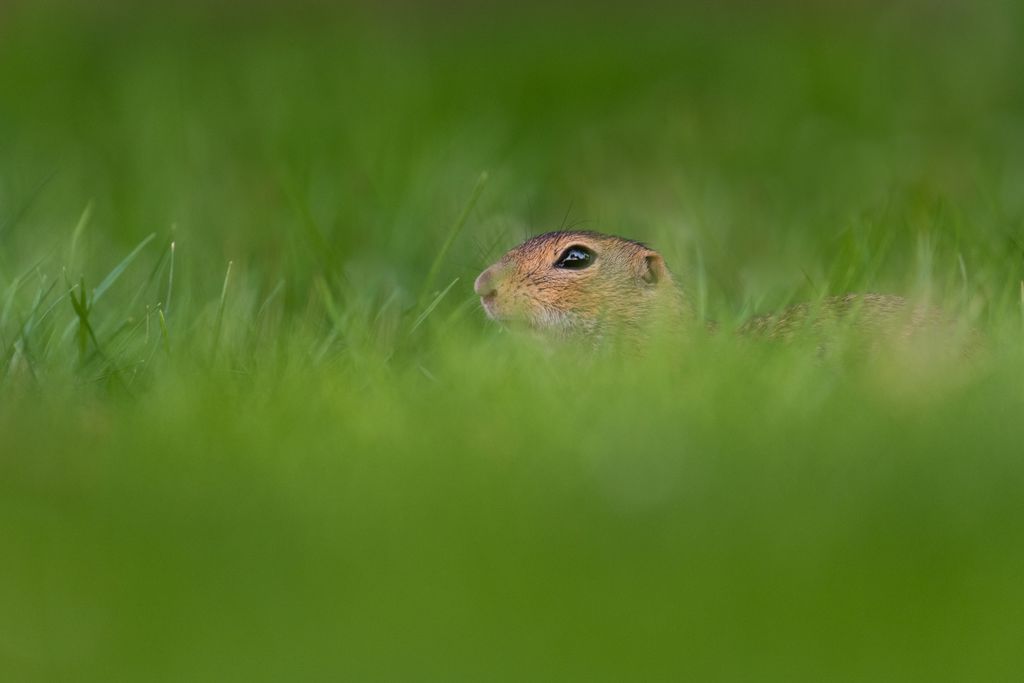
322	465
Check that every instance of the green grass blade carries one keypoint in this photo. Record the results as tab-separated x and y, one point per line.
110	279
433	304
12	218
170	285
220	311
435	267
114	274
76	234
165	336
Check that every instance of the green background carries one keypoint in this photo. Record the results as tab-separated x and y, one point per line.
323	463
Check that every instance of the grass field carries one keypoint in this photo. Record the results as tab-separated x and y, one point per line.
254	425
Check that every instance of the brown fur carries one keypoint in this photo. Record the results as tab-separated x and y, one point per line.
872	313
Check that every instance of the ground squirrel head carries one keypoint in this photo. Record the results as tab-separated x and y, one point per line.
568	283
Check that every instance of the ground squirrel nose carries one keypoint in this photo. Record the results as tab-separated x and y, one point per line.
484	285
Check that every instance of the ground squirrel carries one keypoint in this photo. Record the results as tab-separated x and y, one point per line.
589	284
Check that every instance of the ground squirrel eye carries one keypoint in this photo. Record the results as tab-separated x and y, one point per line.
575	258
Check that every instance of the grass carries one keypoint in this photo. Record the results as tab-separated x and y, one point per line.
254	426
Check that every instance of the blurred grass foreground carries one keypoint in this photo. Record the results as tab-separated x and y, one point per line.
254	425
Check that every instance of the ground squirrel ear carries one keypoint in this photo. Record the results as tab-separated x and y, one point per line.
652	268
